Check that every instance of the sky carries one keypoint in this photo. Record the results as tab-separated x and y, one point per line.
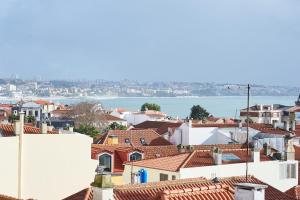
235	41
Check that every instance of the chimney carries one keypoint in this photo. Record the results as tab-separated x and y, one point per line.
180	148
44	128
50	128
249	191
255	155
71	128
102	186
267	149
272	107
217	155
190	122
290	150
19	125
261	107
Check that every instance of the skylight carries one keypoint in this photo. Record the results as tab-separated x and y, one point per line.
230	157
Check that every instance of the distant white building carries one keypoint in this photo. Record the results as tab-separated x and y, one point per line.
135	118
189	134
275	114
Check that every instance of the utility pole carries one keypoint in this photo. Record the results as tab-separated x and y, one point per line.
247	139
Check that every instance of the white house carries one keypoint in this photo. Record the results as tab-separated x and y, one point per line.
281	174
44	166
189	134
135	118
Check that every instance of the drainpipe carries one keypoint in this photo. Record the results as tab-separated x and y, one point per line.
21	132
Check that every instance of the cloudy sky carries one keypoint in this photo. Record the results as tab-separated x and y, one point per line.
237	41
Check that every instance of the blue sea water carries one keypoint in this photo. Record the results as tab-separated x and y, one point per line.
220	106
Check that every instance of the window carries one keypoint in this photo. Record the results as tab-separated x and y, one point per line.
36	113
30	113
143	141
127	141
105	160
173	177
287	171
163	177
135	156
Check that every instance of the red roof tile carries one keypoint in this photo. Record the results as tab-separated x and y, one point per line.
268	128
149	152
43	102
197	158
189	189
108	117
151	137
161	127
86	194
294	192
217	191
7	130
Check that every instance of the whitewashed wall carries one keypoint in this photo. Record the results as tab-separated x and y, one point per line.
153	174
9	166
200	135
54	166
267	172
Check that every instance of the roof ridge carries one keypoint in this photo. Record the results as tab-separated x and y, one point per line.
186	160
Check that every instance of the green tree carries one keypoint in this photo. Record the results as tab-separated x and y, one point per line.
116	126
13	118
30	119
87	130
150	106
198	113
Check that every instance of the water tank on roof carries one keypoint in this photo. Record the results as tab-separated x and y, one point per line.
143	176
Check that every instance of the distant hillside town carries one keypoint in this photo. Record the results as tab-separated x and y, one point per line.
18	88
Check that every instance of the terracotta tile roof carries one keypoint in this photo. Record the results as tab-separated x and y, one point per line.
294	192
223	125
86	194
170	163
185	189
217	191
7	130
197	158
61	113
268	128
108	117
161	127
43	102
204	158
151	137
297	131
149	152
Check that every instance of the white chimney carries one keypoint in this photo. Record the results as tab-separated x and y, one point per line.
103	193
190	122
102	186
255	155
249	191
19	125
217	156
261	107
44	128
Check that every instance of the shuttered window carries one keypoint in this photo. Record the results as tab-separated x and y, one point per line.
287	171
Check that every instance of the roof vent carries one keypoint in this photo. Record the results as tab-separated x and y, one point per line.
216	180
249	191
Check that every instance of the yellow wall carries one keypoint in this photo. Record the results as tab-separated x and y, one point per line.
117	180
153	174
112	140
